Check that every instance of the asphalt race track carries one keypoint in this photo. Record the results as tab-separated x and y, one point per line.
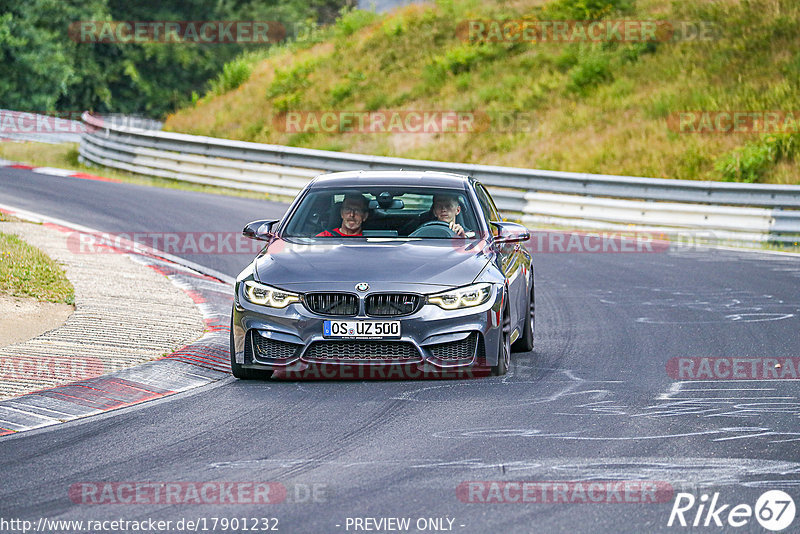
593	402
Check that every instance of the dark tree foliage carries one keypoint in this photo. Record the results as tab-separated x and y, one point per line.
43	69
38	62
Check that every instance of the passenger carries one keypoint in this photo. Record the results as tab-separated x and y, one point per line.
355	210
445	208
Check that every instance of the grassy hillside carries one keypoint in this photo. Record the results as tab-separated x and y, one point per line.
600	108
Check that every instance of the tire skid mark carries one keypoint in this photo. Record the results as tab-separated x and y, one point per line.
686	474
351	439
762	403
309	458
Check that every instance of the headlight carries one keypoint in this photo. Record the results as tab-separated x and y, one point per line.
463	297
268	296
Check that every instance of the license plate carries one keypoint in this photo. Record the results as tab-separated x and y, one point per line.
361	329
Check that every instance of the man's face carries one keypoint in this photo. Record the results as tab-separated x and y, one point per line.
446	208
353	216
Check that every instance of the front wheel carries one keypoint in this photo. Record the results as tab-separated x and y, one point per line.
525	342
504	351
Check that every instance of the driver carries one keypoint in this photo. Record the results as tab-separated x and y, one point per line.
445	208
355	210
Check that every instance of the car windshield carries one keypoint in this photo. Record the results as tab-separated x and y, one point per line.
408	213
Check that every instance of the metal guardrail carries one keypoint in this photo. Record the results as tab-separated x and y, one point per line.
746	212
132	121
58	128
27	126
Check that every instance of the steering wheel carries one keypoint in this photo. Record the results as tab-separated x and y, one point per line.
314	225
433	229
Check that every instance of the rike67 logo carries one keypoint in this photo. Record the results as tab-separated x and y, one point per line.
774	510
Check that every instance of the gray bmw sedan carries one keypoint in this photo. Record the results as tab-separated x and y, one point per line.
393	274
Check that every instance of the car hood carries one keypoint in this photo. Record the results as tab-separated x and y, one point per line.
381	263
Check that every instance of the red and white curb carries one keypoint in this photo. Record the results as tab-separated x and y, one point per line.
197	364
64	173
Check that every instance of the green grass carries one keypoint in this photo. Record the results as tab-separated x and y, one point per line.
599	107
26	271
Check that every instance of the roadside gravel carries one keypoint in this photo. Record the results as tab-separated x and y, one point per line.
126	313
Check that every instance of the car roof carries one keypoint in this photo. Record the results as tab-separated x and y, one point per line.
391	178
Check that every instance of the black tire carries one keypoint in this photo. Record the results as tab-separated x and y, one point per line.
243	373
504	351
525	342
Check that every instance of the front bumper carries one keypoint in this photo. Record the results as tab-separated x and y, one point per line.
432	339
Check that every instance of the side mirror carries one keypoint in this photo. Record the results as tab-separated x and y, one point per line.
508	232
261	230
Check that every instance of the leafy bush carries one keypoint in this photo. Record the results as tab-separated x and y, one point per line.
292	79
234	74
309	32
586	9
745	164
351	20
750	162
394	27
343	90
567	59
286	102
593	68
464	58
377	101
632	52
